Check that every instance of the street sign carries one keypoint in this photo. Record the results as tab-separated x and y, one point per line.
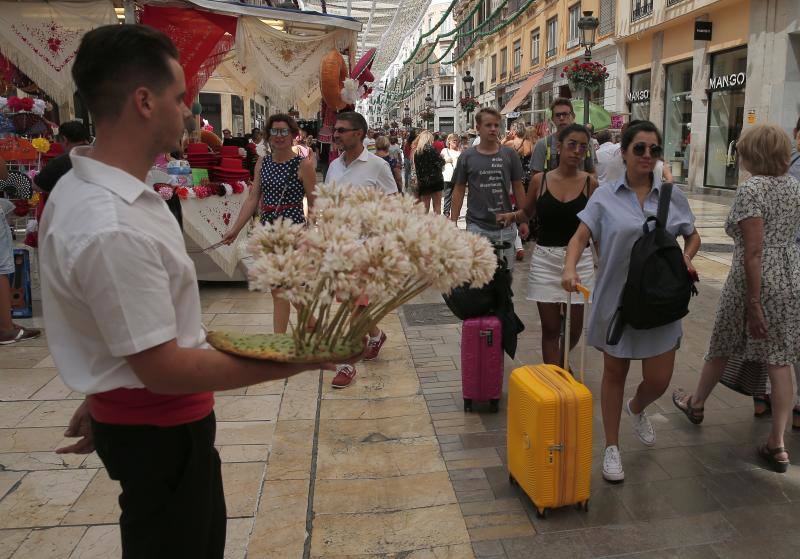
702	30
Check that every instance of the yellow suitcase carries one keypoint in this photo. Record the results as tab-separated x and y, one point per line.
550	432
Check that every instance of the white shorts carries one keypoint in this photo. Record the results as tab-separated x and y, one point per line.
547	266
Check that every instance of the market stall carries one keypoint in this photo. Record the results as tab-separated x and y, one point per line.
277	52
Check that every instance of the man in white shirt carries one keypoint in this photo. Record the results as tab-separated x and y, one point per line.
122	307
357	167
609	159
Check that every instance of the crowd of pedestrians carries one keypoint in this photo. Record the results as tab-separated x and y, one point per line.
122	306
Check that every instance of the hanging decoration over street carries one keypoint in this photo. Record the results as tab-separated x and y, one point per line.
42	38
202	39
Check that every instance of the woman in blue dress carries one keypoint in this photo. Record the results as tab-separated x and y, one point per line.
282	180
613	218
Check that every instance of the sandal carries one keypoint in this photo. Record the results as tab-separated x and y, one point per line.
768	454
21	334
683	403
762	405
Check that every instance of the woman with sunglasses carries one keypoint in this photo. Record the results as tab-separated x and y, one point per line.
555	198
613	219
282	180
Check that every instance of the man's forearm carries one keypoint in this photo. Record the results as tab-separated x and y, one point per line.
169	369
456	202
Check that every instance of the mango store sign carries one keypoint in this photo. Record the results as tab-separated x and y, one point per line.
727	81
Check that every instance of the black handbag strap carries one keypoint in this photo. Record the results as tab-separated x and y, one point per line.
664	198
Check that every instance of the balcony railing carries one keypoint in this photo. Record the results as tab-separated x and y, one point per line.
551	53
673	2
642	9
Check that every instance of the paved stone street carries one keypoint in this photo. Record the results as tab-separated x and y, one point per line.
392	467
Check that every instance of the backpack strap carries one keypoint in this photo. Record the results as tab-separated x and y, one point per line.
664	198
794	160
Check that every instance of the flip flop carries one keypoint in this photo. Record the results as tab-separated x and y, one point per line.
695	415
768	454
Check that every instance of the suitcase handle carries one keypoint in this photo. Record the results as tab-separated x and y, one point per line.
585	292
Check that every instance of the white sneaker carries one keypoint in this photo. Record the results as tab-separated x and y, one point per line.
612	465
641	425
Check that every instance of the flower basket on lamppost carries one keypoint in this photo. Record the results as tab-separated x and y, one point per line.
426	115
587	75
468	104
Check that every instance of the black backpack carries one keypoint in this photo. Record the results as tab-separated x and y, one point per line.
658	288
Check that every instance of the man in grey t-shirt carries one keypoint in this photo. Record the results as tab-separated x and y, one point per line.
545	154
490	171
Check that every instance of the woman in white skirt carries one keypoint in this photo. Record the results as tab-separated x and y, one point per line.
556	198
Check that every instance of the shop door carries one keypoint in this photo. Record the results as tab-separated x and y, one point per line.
725	117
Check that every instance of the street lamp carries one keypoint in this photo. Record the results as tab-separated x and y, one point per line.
468	79
428	108
588	26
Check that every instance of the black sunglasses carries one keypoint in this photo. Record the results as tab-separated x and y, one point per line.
341	130
655	149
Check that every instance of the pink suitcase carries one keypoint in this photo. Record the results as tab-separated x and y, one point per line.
482	361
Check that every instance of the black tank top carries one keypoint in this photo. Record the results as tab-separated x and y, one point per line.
558	220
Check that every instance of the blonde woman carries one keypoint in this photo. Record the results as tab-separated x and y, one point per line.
759	312
429	166
450	155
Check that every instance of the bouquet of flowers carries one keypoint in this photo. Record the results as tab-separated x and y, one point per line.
585	75
468	104
364	244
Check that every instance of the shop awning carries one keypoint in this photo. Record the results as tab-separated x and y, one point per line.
523	92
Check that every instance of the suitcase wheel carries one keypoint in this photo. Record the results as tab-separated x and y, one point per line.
467	404
494	406
542	513
583	505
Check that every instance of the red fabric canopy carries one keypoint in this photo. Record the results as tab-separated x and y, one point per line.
202	38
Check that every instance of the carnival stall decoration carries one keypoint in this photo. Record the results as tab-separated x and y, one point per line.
41	39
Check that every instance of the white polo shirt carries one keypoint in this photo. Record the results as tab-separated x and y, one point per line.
116	278
366	170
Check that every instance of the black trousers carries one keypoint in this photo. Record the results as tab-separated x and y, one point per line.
172	501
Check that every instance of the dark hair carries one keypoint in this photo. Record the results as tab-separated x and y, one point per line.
74	132
255	131
561	101
636	127
393	140
113	60
603	137
412	135
573	128
279	117
355	119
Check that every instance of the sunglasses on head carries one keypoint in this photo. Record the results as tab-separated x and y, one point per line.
655	149
279	131
341	130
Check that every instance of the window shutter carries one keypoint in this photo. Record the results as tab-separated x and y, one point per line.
608	10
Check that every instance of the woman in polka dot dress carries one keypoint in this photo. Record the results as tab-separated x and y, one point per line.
281	181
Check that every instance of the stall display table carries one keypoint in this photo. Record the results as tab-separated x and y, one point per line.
205	221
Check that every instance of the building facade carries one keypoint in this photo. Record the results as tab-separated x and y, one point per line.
517	68
428	74
703	70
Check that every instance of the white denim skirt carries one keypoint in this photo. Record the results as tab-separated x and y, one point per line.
547	266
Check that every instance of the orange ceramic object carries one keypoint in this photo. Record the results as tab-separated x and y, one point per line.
333	72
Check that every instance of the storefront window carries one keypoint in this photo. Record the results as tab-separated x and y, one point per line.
212	111
725	117
639	96
678	119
